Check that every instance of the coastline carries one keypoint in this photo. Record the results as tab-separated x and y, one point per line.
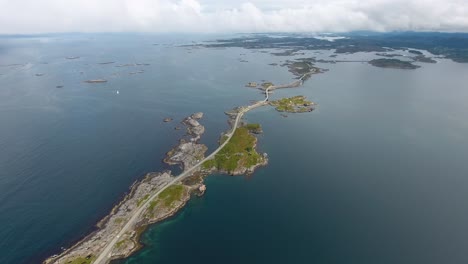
105	251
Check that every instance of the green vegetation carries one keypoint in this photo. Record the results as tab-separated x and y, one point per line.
209	164
171	194
119	220
196	178
238	153
304	67
393	63
120	243
296	104
300	68
167	197
83	260
139	202
254	128
152	205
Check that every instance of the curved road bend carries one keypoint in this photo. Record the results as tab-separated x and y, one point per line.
105	255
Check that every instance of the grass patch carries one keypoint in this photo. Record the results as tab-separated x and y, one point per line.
196	178
171	194
293	104
142	200
83	260
239	152
119	220
209	164
254	128
152	205
120	243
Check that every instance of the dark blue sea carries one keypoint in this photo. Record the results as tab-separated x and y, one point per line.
378	173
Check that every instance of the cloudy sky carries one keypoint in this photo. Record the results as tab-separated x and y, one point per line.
44	16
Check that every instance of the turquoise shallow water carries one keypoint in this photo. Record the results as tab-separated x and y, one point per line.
377	174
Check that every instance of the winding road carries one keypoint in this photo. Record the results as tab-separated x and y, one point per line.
106	254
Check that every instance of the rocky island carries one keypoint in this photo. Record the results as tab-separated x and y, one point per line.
160	195
239	156
96	81
296	104
422	58
188	153
302	68
393	63
252	85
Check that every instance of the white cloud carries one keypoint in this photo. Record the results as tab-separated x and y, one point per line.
40	16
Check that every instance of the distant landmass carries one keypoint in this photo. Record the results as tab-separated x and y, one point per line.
162	194
393	63
450	45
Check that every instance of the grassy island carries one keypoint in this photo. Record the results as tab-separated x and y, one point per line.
422	58
239	154
254	128
300	68
393	63
296	104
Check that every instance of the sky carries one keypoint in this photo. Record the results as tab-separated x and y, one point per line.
219	16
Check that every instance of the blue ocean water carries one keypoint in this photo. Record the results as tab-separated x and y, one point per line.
377	174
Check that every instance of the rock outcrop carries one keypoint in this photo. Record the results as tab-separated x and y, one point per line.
96	81
110	226
188	152
166	204
194	128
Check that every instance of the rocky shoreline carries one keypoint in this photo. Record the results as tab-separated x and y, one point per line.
295	104
159	195
186	154
240	155
89	247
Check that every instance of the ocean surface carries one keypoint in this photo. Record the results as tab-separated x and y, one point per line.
378	173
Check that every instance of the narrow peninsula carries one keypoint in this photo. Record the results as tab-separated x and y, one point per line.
160	194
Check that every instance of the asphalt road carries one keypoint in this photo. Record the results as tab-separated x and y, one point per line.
106	254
